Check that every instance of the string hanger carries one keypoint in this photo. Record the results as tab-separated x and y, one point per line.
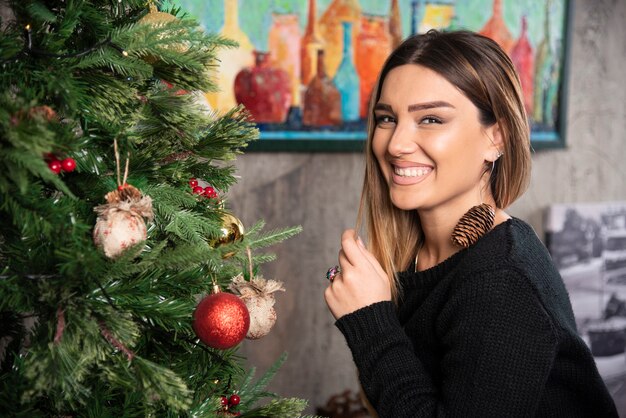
120	183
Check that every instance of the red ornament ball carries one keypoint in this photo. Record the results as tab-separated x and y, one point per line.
198	190
221	320
224	401
234	400
68	164
210	192
55	166
193	183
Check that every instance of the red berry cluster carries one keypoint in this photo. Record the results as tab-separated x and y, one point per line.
169	86
56	166
207	191
228	403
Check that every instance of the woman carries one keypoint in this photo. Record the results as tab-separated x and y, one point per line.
478	323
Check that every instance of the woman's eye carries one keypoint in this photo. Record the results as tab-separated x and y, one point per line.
384	119
428	120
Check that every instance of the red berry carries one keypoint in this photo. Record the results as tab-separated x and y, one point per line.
48	156
224	401
234	400
198	190
55	166
210	192
68	164
193	182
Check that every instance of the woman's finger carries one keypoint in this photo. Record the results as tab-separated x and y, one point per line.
370	257
343	260
350	247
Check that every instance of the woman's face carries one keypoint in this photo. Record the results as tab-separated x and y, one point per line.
429	143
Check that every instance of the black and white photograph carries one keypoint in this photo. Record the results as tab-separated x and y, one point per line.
587	242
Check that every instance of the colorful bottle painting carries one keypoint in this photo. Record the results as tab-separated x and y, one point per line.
395	24
232	60
330	28
542	70
284	45
551	97
311	43
264	90
415	16
437	14
524	61
347	79
372	48
455	24
496	29
322	101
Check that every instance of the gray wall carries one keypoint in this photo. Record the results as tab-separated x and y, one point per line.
320	191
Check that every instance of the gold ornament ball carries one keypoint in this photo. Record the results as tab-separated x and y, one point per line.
230	231
157	18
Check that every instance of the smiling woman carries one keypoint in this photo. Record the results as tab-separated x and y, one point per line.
431	136
455	308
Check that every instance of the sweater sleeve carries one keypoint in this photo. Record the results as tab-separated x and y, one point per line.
496	342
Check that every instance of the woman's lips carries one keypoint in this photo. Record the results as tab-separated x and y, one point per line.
406	174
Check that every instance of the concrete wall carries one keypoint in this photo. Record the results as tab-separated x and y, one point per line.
320	191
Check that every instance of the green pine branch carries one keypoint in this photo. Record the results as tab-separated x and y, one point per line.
266	239
251	392
93	336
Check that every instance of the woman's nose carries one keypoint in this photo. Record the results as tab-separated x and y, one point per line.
403	141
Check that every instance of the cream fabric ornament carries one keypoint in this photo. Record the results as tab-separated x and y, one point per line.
258	295
120	223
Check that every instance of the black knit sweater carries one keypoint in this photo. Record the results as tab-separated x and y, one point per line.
489	332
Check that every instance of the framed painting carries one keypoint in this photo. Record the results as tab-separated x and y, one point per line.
305	69
587	242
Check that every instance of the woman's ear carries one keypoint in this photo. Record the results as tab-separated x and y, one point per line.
496	146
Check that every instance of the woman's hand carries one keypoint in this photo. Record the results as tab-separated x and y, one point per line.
362	280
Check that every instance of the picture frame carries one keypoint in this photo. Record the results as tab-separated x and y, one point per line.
273	71
587	242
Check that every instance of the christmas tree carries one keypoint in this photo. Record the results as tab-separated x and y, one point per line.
124	281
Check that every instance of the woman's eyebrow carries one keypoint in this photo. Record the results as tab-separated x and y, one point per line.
428	105
415	107
383	106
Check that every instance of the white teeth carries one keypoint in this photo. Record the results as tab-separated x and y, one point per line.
411	172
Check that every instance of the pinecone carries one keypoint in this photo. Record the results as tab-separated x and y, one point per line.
473	225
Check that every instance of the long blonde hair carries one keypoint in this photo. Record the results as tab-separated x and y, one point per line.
480	69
